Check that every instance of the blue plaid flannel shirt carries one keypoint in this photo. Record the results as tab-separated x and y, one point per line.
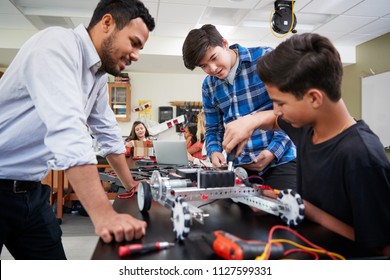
223	103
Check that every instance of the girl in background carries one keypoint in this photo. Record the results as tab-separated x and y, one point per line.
138	132
194	146
203	160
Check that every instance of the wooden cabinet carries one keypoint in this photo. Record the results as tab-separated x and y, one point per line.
119	96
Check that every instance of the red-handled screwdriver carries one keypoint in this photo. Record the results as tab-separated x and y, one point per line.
143	248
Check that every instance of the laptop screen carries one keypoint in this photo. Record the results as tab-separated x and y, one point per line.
170	152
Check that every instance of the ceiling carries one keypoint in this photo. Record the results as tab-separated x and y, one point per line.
346	22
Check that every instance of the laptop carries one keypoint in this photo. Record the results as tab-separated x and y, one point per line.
170	152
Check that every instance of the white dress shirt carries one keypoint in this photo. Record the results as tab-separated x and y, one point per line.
49	96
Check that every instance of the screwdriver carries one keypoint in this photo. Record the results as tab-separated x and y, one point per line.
230	159
130	249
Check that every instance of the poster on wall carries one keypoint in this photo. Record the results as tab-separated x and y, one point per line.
144	109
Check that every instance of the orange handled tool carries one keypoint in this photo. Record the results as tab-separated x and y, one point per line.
231	247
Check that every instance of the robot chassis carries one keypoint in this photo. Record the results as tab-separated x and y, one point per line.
174	194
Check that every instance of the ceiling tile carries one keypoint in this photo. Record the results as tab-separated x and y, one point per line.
378	27
39	7
187	2
353	39
259	15
329	6
11	21
172	29
248	34
179	13
223	16
265	5
369	8
7	8
237	4
313	19
299	4
42	22
345	24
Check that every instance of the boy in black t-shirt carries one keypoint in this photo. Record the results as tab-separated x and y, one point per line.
343	172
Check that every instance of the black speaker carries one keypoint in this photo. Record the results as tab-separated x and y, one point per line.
283	19
165	113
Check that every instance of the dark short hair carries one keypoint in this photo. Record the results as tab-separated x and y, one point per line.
122	11
302	62
192	129
197	43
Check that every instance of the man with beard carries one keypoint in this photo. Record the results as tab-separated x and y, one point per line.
52	93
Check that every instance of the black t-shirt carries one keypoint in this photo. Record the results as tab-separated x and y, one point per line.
347	176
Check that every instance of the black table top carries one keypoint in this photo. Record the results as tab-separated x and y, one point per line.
234	218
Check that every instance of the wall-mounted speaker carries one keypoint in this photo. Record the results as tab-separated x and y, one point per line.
165	113
283	19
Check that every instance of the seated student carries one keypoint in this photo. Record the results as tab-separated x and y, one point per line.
203	160
194	146
343	171
138	132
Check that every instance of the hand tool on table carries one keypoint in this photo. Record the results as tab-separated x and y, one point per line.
231	247
131	249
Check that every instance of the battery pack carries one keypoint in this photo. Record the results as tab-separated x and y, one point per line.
216	179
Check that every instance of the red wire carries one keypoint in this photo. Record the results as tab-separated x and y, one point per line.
127	194
299	236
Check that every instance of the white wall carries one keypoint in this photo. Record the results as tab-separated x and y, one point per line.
375	103
162	88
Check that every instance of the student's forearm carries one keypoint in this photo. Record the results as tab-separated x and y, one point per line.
326	220
265	120
238	132
318	216
315	214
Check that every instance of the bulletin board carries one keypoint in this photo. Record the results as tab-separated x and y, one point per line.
376	105
145	113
